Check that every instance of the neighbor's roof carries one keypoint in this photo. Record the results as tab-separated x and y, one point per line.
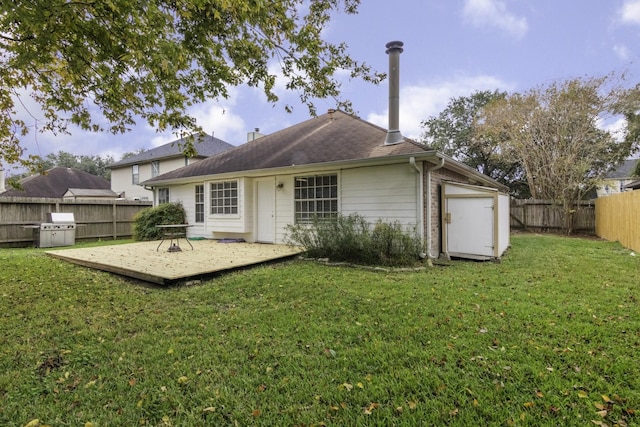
332	137
90	192
623	170
205	145
55	183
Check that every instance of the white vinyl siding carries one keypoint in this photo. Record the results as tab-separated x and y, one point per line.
383	192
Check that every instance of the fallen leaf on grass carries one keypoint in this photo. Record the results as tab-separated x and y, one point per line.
529	404
606	398
412	405
256	413
603	413
583	394
347	386
600	423
369	409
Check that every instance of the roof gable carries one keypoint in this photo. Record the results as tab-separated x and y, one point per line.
205	145
329	138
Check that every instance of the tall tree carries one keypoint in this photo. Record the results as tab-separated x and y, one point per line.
553	132
453	133
95	165
100	65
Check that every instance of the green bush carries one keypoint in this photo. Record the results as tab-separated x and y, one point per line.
145	221
352	239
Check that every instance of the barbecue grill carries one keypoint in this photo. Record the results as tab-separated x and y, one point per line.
59	231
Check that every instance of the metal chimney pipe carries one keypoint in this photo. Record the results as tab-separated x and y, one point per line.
394	49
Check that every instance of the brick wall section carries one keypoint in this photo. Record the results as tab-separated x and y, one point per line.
437	176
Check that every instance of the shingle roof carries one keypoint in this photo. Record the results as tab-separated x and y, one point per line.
332	137
55	182
623	170
205	145
91	192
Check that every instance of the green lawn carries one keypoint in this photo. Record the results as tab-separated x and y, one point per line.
550	336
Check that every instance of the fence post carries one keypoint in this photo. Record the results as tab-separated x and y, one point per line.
115	220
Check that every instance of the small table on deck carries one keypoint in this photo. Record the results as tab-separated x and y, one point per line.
174	232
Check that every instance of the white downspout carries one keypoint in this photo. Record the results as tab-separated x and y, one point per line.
429	170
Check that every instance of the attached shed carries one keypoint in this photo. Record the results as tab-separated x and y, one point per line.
475	221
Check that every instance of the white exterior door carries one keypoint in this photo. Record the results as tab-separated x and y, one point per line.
265	211
471	228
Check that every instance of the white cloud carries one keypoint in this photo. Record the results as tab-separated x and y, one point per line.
494	13
221	121
622	52
630	12
419	102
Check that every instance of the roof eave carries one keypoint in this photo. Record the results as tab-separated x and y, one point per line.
431	154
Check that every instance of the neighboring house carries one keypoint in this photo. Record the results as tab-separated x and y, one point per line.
58	182
635	185
127	175
89	194
616	181
334	163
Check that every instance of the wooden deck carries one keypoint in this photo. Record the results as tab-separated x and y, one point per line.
142	261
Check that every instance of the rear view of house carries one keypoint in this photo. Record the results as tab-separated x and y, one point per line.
330	164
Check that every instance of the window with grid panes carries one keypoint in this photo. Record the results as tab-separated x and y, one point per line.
199	203
163	195
315	196
224	198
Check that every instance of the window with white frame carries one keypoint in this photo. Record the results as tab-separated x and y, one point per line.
224	198
199	203
155	168
315	196
163	195
135	174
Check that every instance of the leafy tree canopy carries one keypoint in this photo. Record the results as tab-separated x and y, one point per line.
453	133
153	59
95	165
553	132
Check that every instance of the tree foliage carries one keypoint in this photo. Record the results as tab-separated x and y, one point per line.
95	165
453	133
553	132
102	65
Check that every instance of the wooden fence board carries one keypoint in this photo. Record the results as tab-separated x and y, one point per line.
535	214
618	218
95	219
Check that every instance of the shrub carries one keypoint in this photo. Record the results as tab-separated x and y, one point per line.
352	239
145	221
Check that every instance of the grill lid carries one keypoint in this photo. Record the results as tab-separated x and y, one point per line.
61	217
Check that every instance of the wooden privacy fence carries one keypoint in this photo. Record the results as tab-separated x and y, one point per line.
544	215
95	219
618	218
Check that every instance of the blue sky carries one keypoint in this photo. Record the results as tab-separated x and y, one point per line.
452	48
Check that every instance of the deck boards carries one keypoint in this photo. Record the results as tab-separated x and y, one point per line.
142	261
